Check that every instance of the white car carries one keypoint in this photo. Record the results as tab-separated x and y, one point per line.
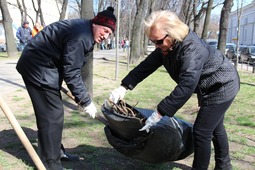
230	46
3	48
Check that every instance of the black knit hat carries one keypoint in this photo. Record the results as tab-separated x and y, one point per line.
106	18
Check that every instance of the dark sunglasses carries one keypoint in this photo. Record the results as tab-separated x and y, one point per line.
159	42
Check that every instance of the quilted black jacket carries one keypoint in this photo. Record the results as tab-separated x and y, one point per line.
58	53
196	68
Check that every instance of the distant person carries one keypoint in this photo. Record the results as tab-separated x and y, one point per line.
24	34
57	54
126	45
109	43
196	67
37	28
102	45
113	42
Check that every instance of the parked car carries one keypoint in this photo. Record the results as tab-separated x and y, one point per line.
228	46
212	42
247	54
3	48
233	53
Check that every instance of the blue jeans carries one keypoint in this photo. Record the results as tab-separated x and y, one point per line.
22	46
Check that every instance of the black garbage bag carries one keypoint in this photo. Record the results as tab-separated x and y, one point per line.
170	140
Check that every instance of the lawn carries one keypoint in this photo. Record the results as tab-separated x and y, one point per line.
85	137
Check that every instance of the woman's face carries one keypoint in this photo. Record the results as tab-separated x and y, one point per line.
161	40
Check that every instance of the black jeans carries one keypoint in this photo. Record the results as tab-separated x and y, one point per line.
49	112
209	127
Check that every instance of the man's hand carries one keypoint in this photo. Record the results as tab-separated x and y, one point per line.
151	121
91	110
117	94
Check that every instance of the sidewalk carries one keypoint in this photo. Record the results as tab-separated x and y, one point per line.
11	80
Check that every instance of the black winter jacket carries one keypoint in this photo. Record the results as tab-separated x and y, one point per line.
196	68
58	53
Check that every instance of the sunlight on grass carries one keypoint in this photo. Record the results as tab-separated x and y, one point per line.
17	98
88	134
237	155
245	121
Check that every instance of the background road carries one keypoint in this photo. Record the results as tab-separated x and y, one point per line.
11	80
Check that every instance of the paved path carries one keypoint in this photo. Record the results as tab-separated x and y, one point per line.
11	80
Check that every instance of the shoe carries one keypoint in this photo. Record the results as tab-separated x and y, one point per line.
69	157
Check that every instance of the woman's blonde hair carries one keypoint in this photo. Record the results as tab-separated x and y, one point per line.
166	21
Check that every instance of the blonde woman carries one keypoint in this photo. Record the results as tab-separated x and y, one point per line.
196	68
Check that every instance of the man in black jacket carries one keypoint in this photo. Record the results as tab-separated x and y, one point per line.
196	68
58	53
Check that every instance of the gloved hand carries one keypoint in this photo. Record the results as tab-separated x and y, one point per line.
151	121
117	94
91	110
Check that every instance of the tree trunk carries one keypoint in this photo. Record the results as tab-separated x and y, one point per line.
151	7
24	10
36	11
87	70
63	10
207	19
186	11
224	25
239	14
198	15
41	13
21	11
7	24
135	50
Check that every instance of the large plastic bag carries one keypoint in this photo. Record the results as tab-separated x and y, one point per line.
170	140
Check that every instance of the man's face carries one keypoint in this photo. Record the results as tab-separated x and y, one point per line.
101	33
26	25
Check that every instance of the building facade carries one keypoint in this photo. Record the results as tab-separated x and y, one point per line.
247	26
49	9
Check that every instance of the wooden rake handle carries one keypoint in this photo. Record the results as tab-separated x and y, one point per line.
22	136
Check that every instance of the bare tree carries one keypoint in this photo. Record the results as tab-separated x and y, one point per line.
63	10
38	12
226	9
24	9
186	11
198	15
7	23
213	27
136	35
207	19
21	11
239	14
87	70
151	6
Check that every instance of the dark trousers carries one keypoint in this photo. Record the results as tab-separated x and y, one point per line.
49	112
209	127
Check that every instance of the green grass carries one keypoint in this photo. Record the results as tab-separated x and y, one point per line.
86	136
